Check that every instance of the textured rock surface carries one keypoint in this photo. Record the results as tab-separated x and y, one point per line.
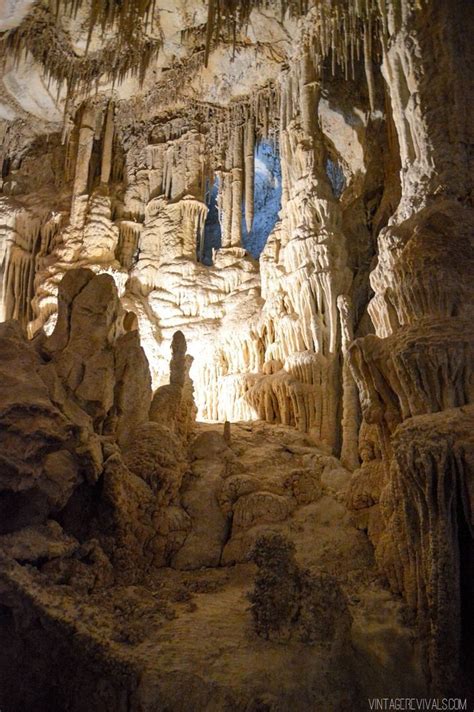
77	444
147	641
288	602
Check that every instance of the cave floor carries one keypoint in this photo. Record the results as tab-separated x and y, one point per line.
184	640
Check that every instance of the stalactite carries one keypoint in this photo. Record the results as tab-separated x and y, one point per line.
283	108
308	94
167	175
249	172
118	161
211	15
289	112
368	65
193	214
225	207
49	231
232	15
201	221
129	236
265	118
122	15
337	29
41	33
71	140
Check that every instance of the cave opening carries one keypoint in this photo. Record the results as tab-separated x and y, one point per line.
336	176
267	197
267	204
212	226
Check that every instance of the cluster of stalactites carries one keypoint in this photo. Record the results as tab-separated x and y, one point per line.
346	32
262	110
120	14
41	34
208	141
226	17
232	137
33	240
343	31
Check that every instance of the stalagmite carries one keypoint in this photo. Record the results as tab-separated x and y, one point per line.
18	282
227	432
20	260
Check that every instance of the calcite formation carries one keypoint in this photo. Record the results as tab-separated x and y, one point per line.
236	275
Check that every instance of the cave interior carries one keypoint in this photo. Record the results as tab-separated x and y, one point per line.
236	348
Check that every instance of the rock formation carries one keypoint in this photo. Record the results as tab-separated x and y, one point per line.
236	311
289	602
77	437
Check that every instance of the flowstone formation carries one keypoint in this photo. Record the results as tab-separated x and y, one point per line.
236	275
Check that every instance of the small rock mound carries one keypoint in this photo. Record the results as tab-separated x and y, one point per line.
290	603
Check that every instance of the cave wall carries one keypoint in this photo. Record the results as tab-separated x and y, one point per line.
414	375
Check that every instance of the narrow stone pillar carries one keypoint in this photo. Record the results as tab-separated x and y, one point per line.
249	172
237	186
350	393
225	207
84	152
107	145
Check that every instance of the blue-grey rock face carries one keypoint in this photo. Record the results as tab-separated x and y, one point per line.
267	205
267	198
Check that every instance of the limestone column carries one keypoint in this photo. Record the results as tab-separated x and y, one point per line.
350	394
249	172
107	145
237	186
309	94
84	151
411	372
225	207
81	174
